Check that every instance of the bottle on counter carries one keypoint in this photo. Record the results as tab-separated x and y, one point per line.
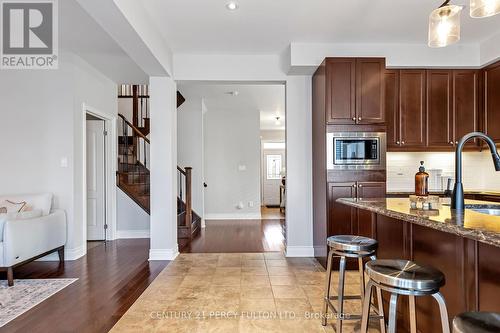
422	181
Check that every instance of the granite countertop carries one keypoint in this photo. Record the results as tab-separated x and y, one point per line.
481	227
482	192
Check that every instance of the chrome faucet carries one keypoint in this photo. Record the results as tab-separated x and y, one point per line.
457	198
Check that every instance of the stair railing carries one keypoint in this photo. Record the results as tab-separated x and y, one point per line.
184	193
134	148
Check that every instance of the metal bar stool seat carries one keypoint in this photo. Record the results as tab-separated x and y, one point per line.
349	246
477	322
404	277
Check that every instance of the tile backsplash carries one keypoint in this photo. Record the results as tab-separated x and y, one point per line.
478	170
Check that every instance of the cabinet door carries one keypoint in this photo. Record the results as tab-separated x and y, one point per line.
439	115
340	217
367	190
340	87
370	90
412	107
391	105
465	103
492	101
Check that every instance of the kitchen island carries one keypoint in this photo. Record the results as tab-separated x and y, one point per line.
465	247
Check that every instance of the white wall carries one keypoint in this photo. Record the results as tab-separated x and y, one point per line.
273	135
190	146
132	220
401	169
41	122
232	139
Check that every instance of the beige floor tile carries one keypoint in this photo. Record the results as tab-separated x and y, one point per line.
307	278
274	255
301	262
196	292
314	291
253	263
226	280
255	305
205	262
276	263
306	269
298	307
286	280
201	270
176	271
301	325
218	325
254	280
191	281
215	306
230	256
280	271
176	326
259	270
193	305
288	292
229	262
228	271
252	256
216	291
259	325
258	292
135	322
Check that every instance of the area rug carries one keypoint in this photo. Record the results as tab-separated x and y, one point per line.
26	294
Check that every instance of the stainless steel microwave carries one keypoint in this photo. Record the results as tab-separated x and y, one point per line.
356	150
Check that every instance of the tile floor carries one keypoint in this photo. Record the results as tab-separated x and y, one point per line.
236	292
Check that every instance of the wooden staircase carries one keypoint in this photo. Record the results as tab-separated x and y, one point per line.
133	176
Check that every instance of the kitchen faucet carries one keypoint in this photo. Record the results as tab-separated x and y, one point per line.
457	198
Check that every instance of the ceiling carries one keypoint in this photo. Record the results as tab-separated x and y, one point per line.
268	27
79	33
266	99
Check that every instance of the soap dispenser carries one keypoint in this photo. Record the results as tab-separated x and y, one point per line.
421	181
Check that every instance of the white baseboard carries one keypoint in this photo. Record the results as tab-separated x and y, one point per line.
126	234
233	216
163	254
299	251
69	254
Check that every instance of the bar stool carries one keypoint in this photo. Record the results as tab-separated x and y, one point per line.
349	246
477	322
403	277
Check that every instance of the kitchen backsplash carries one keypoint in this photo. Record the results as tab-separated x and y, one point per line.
478	170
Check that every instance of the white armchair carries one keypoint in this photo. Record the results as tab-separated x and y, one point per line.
26	239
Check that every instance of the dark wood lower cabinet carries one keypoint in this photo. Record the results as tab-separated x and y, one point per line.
471	269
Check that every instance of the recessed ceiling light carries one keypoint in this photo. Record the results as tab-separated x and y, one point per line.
232	5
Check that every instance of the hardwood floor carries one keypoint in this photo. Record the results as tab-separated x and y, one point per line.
110	277
236	236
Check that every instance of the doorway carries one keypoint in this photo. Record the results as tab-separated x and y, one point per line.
96	178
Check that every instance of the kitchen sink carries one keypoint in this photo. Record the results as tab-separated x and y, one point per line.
485	209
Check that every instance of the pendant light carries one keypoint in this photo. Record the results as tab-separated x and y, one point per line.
444	25
484	8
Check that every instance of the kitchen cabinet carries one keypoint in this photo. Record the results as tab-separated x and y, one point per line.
465	103
439	113
431	109
391	104
492	101
412	108
342	219
355	91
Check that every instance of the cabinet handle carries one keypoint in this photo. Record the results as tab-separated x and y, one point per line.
451	142
398	143
360	185
456	142
354	118
359	118
402	142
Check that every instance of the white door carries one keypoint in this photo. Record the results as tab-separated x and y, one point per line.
274	161
95	180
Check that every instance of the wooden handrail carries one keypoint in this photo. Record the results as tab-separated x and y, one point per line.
181	170
135	129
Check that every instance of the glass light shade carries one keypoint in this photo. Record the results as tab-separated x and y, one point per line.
484	8
444	26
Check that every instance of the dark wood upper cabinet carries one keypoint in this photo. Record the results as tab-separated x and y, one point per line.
391	105
370	90
341	90
355	93
412	108
492	101
439	127
465	103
